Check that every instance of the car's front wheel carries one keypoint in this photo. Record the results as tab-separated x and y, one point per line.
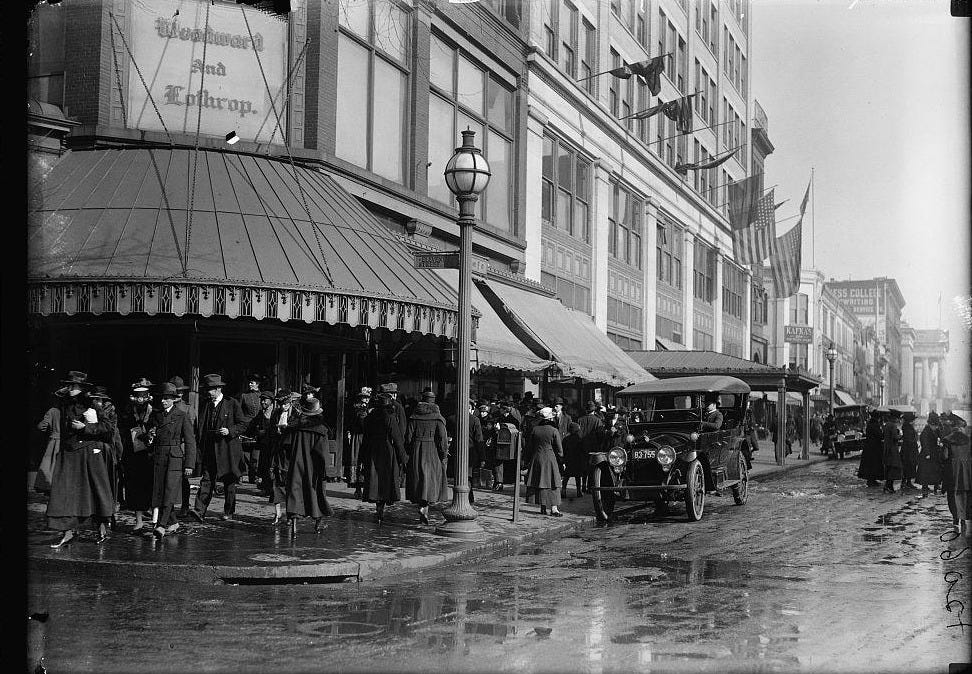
740	492
603	500
695	492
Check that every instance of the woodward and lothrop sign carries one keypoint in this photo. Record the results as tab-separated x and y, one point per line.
168	38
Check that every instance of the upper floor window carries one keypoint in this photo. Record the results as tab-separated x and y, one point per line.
759	299
668	252
625	213
614	88
568	38
566	189
587	51
372	85
508	9
799	309
466	95
733	283
703	287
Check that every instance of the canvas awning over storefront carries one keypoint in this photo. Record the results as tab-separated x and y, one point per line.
107	232
566	336
840	397
496	345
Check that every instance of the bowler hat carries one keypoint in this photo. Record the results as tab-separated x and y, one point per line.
75	377
179	383
267	394
169	390
910	416
933	417
142	384
558	401
213	381
310	406
99	392
391	387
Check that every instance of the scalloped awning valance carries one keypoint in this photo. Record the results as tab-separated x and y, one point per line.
107	233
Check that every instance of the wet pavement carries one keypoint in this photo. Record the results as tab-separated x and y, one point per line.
815	573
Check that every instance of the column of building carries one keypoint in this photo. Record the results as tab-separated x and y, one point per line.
688	294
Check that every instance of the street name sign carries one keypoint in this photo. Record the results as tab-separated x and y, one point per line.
437	260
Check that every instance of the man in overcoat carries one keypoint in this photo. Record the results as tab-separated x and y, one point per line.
891	444
931	458
400	417
871	467
220	424
589	434
561	417
174	452
191	409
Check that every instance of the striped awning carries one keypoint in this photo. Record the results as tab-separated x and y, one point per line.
107	232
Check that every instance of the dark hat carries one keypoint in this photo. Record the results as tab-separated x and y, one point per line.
383	399
99	392
428	396
956	437
255	377
213	381
142	384
910	416
283	394
894	414
391	387
309	388
590	406
179	384
558	401
483	408
310	406
267	394
573	427
169	390
75	377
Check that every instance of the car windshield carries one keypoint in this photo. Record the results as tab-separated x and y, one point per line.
664	408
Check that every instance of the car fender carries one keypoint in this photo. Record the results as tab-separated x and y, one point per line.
607	470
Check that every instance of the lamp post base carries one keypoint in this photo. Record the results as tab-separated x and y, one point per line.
460	517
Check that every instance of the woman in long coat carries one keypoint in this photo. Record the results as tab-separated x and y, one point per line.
931	458
909	452
109	415
50	424
575	459
80	487
547	453
958	482
305	440
137	466
173	455
355	431
426	444
382	455
891	443
871	467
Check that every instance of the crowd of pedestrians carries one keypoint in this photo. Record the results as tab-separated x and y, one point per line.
139	457
938	459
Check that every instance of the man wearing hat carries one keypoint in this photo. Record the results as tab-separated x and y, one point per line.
561	417
401	418
220	424
250	398
931	458
260	428
958	480
909	452
186	404
174	452
137	466
589	433
891	443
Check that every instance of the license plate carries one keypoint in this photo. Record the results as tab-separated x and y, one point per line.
643	454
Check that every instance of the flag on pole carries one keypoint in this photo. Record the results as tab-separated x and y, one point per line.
743	195
751	245
711	162
650	70
785	258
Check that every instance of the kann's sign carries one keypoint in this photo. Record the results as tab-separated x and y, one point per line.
798	334
168	38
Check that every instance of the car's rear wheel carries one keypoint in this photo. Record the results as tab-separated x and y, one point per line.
695	491
740	492
603	500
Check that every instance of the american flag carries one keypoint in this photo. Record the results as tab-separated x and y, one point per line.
751	244
786	256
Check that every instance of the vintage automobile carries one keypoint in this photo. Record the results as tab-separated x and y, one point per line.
848	435
666	456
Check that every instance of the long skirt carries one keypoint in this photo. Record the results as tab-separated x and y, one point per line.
543	478
139	473
425	475
81	488
352	473
304	482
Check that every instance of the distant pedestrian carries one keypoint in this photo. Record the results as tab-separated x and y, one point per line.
188	402
220	424
173	449
354	424
932	457
871	467
426	445
546	455
382	455
909	452
575	459
560	416
81	488
137	466
590	431
891	445
829	432
815	429
958	480
301	470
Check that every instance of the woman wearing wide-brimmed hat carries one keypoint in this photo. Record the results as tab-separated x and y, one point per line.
547	453
80	488
355	436
382	455
427	445
299	471
137	470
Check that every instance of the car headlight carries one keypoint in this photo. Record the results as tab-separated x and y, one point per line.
617	457
694	436
629	438
665	455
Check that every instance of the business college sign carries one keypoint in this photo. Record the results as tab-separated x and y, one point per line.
167	40
798	334
860	298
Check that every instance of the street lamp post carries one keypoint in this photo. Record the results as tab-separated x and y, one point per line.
831	357
882	383
466	175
